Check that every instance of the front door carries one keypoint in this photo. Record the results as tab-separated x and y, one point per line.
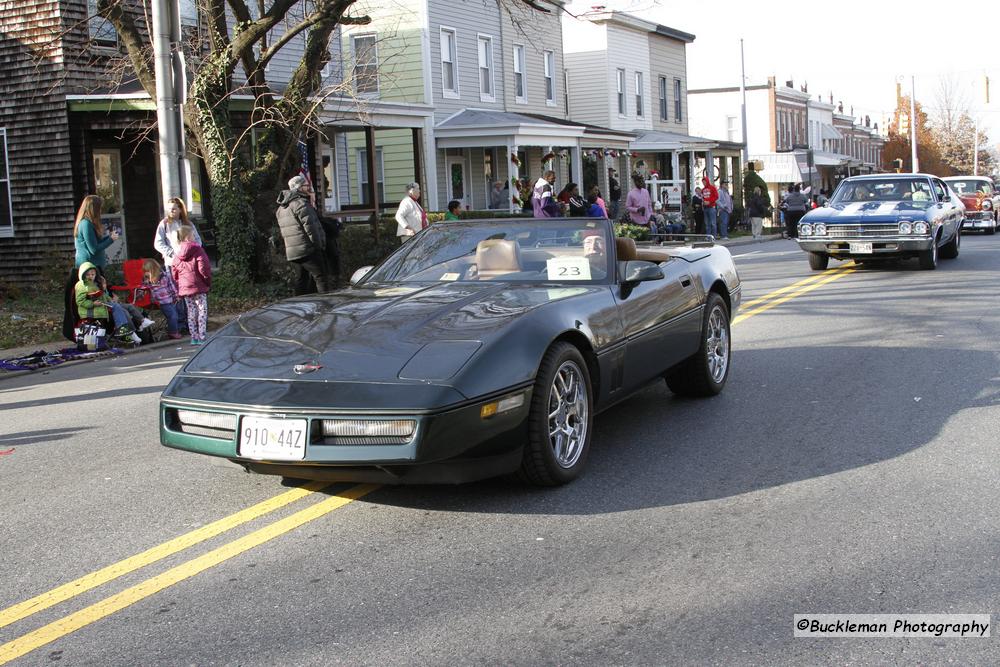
458	181
108	185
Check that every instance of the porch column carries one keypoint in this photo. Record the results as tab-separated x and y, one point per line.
710	166
675	165
577	156
625	180
370	159
692	162
418	171
515	176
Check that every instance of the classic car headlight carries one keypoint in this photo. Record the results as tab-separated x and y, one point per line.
921	227
805	229
820	229
987	205
906	228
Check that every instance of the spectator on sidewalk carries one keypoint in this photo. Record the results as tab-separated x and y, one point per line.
454	209
709	199
92	302
595	210
192	273
410	216
91	240
796	205
614	194
698	212
499	197
165	239
725	206
595	192
543	202
757	208
302	231
164	293
638	202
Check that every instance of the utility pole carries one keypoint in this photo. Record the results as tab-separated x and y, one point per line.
915	163
743	104
171	86
975	145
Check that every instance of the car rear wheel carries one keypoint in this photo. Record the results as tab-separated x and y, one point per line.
818	262
950	249
560	421
928	259
705	372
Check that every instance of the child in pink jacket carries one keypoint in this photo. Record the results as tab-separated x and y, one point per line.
192	273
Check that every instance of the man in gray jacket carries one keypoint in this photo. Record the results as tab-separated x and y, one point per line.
796	205
305	241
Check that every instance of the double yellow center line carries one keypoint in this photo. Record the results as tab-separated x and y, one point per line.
66	625
780	296
74	621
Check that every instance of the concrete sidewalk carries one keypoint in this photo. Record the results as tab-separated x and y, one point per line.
12	353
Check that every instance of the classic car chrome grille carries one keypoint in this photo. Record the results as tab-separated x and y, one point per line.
862	231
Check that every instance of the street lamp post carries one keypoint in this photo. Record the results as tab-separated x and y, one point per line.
170	84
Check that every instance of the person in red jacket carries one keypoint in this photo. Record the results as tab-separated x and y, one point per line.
709	199
192	272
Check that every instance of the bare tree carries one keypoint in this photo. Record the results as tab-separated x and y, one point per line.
954	129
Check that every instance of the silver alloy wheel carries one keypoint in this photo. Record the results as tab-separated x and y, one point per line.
717	344
569	412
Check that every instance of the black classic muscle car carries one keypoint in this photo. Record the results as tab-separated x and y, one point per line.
885	216
475	349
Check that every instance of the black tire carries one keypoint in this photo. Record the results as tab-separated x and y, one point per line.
553	457
992	230
705	372
950	249
928	259
818	262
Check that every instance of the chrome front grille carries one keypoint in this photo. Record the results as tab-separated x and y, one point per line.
862	231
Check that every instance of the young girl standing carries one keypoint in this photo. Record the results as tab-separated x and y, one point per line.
192	273
164	294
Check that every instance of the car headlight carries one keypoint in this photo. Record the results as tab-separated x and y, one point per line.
921	228
820	229
987	205
805	230
906	228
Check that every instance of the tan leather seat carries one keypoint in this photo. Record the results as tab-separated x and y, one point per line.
625	249
497	257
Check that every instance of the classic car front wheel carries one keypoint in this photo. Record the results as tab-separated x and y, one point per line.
928	259
705	372
950	249
560	420
818	261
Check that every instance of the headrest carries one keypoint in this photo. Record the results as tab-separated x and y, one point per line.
625	249
498	255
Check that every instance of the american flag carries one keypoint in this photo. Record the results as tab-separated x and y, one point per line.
304	155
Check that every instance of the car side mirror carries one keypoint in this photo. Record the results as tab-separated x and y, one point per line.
360	274
638	271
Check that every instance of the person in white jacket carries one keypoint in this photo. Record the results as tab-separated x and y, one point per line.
410	216
165	240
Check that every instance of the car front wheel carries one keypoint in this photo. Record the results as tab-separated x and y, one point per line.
928	259
560	421
950	249
705	372
818	262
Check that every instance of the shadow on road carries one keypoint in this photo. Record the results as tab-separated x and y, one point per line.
93	396
47	435
782	419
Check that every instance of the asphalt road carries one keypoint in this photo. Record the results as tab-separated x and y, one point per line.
850	466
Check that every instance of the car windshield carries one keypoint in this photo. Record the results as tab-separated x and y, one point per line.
971	186
535	251
884	190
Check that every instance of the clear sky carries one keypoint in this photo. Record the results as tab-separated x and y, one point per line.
857	50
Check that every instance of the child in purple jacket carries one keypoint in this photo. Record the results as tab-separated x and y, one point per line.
164	293
192	272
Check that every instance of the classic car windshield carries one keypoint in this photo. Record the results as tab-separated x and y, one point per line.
890	189
563	251
971	186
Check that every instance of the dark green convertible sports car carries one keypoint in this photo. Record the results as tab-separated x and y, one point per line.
476	349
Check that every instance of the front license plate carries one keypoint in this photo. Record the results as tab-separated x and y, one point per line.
861	248
273	439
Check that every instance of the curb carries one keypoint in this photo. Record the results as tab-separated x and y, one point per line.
750	240
125	351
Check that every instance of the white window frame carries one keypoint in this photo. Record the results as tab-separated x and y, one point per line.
549	68
98	25
731	128
678	101
519	67
362	166
664	106
6	226
620	87
451	93
638	94
491	95
354	66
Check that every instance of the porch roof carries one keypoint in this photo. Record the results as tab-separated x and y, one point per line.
487	127
825	159
659	140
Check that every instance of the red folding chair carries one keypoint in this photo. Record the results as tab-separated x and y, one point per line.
133	291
